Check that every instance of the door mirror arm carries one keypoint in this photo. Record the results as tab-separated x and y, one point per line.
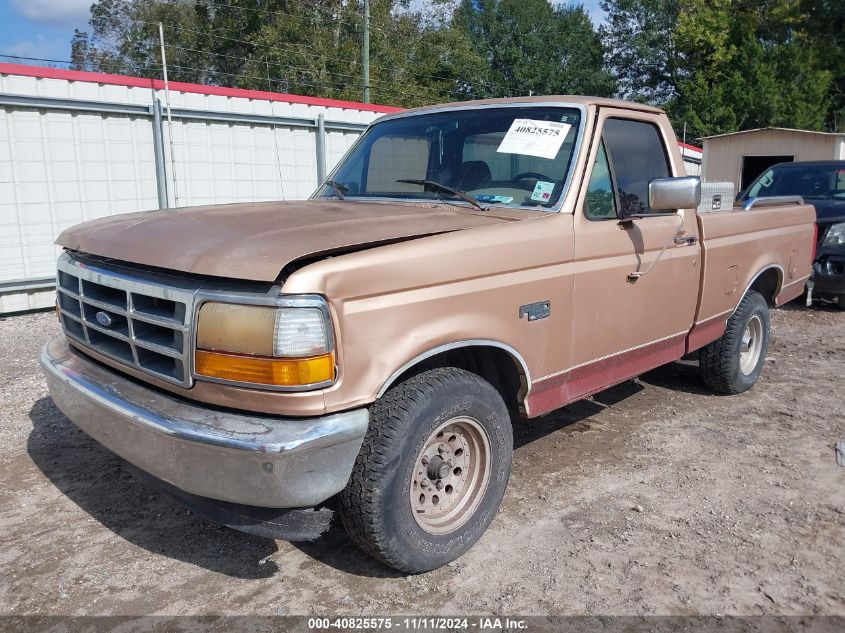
627	221
633	276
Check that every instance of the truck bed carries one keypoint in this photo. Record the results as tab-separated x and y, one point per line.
738	247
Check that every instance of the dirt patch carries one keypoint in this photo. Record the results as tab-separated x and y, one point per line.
655	497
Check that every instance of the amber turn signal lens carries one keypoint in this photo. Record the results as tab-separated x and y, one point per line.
282	372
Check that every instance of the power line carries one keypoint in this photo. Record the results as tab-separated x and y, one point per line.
303	69
279	48
294	45
264	46
215	33
280	82
269	12
249	60
36	59
392	74
121	63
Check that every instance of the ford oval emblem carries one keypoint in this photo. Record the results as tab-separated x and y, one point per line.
103	319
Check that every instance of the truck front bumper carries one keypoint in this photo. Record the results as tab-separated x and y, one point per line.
829	271
246	459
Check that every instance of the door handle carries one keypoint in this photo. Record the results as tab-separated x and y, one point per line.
686	240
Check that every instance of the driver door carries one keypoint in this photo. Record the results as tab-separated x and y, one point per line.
623	327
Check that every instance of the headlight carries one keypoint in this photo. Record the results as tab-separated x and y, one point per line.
835	235
268	345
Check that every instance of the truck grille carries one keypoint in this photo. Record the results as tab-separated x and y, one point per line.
135	321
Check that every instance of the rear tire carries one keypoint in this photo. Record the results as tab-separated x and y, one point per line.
842	302
733	363
432	470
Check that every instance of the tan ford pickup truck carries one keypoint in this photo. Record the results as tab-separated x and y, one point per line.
371	347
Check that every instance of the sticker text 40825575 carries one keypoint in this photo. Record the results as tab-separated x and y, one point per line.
534	138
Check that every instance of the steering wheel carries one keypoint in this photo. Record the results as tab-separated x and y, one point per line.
531	175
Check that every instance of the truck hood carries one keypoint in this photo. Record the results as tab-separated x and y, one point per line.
255	241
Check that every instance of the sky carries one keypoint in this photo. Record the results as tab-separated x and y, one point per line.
40	28
593	8
44	28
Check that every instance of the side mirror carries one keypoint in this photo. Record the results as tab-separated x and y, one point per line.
674	193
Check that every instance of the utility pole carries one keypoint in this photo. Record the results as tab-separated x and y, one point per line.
365	53
169	118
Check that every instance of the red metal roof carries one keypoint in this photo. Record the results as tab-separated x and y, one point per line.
157	84
690	147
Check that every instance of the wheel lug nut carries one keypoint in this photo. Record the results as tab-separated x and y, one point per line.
450	463
439	484
424	460
441	448
424	483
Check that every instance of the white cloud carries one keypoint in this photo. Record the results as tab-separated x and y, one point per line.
66	13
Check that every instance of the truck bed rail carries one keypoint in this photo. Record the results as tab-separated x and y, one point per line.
769	201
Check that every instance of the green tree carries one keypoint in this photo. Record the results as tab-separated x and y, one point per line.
531	46
748	65
825	20
124	39
721	65
306	47
641	51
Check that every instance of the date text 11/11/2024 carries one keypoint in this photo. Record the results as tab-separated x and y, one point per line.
418	623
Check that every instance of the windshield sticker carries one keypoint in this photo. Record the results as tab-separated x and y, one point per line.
534	138
543	191
488	197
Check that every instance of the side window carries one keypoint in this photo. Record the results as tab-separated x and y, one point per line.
638	156
601	202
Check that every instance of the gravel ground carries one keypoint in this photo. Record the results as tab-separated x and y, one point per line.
655	497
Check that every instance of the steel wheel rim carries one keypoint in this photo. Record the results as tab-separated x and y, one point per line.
450	475
751	345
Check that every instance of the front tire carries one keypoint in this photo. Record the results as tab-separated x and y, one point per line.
432	470
733	363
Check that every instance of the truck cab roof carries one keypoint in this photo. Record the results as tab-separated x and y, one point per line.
536	100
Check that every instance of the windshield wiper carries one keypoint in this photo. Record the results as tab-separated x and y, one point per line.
339	189
437	185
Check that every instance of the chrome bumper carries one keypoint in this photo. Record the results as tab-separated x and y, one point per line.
253	460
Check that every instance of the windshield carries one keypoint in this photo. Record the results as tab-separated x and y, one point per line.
513	156
809	181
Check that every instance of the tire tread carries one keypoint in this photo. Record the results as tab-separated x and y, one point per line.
717	365
359	501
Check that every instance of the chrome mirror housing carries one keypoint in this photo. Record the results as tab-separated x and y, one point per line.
674	193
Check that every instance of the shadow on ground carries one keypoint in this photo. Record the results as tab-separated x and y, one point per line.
100	484
334	548
96	480
822	304
526	431
678	377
